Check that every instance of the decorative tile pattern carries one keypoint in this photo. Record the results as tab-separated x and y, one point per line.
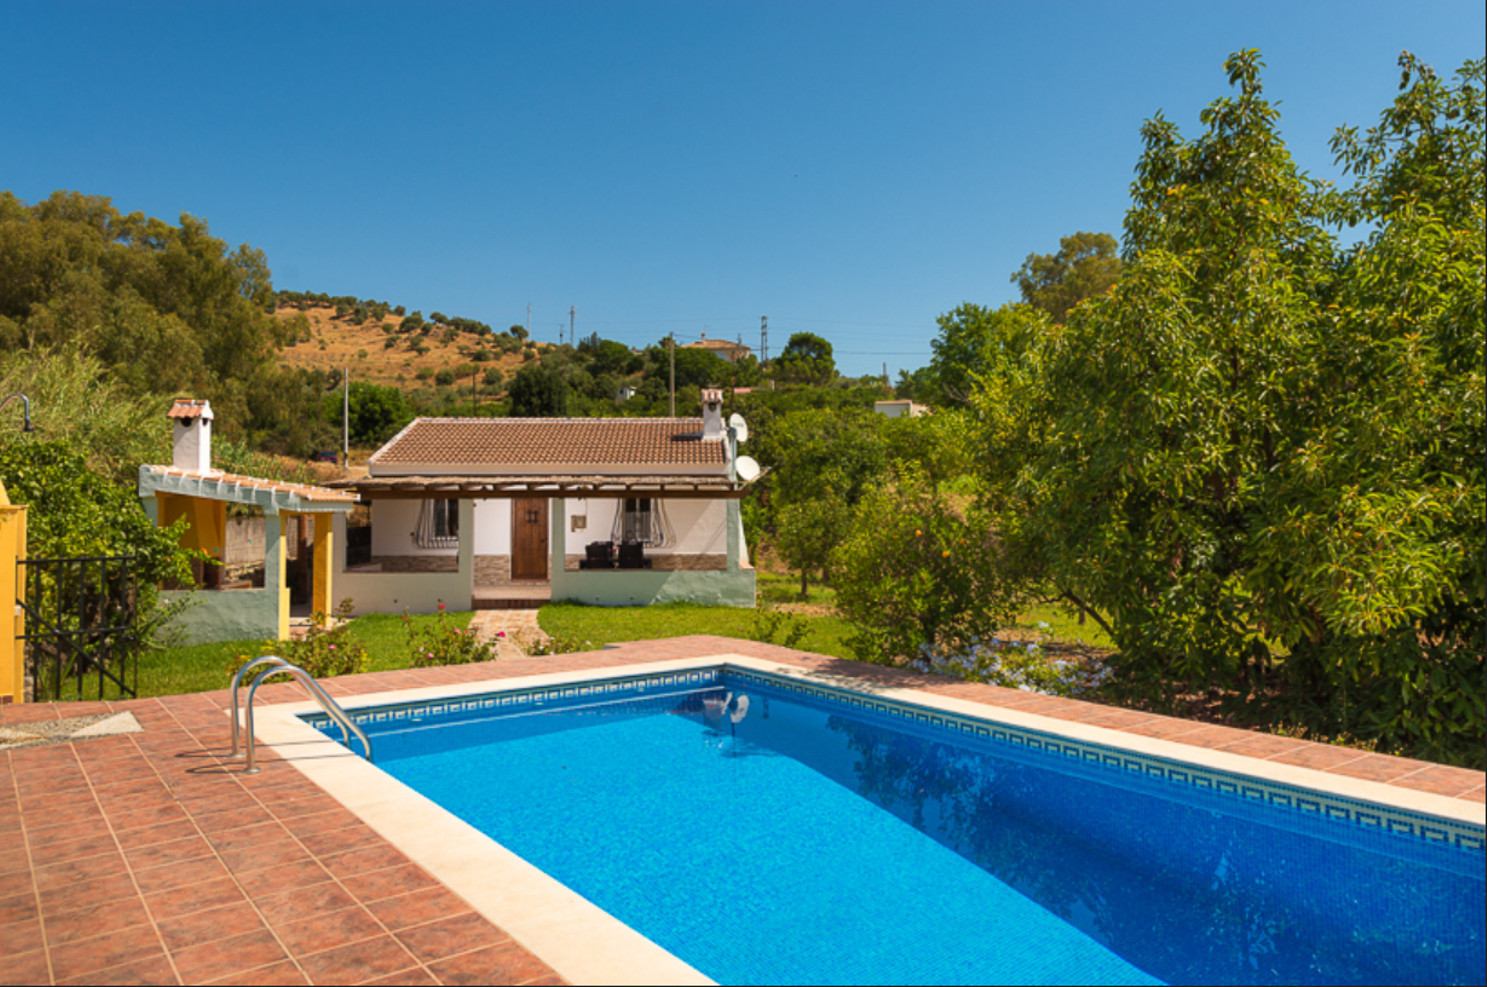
1366	815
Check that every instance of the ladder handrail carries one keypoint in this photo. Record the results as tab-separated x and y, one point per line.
278	665
282	665
236	682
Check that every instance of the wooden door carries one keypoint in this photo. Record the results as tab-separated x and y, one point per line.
529	538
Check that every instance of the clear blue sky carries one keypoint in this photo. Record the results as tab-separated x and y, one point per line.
852	169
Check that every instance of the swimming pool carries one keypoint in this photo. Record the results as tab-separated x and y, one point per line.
813	834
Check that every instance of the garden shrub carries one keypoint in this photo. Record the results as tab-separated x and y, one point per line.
441	643
327	649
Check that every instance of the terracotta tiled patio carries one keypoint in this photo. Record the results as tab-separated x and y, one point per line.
148	857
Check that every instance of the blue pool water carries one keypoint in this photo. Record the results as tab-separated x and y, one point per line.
795	839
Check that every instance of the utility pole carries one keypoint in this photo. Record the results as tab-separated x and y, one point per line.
885	373
572	339
529	320
475	390
672	350
763	339
346	418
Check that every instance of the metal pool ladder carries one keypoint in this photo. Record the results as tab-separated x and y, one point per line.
275	666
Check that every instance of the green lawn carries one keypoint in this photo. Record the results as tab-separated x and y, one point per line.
611	625
204	667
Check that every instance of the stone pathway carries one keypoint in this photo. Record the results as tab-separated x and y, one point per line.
517	624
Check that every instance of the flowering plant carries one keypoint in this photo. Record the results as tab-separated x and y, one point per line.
327	648
441	643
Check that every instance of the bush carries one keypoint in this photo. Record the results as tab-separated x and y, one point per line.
444	378
442	644
424	373
779	627
557	644
327	649
919	568
493	377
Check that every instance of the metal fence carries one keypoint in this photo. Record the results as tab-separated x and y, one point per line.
80	627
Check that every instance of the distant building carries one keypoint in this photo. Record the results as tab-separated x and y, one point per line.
732	352
900	409
625	393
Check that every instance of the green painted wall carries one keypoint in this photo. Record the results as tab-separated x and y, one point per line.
640	587
226	615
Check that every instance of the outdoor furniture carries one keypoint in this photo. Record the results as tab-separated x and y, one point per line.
598	555
632	555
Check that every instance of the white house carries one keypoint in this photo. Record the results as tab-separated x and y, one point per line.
617	511
900	409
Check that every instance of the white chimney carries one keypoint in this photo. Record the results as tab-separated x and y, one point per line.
192	435
712	414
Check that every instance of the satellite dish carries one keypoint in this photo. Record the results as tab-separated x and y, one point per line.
748	470
739	426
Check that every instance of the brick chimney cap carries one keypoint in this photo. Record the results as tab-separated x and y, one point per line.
191	408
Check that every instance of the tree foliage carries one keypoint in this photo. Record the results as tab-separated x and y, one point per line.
1085	266
538	392
73	511
975	341
1258	459
806	359
917	570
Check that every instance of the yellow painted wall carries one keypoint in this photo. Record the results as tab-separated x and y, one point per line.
12	624
207	519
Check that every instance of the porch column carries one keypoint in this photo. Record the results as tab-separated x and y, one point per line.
273	572
466	557
557	540
322	599
734	524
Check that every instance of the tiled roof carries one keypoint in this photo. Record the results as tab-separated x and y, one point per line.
213	481
189	408
550	442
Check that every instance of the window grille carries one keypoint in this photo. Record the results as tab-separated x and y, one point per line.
438	524
644	520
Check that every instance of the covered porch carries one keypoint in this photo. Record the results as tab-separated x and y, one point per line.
227	610
518	541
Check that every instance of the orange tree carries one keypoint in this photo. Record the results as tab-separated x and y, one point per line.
1258	459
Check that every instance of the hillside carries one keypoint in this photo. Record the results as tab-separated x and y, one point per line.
384	351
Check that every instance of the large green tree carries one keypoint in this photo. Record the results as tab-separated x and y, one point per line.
538	392
975	341
1258	459
806	359
1085	266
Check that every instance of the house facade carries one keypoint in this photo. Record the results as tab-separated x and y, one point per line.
732	352
488	511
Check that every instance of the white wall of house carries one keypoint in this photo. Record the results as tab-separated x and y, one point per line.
698	526
598	515
393	525
492	527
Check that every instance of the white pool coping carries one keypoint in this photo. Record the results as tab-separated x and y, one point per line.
580	941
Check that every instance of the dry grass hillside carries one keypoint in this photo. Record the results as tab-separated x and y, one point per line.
379	351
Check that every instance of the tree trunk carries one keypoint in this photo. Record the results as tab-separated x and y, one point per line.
802	584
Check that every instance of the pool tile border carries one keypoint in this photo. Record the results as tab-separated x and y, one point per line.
1449	824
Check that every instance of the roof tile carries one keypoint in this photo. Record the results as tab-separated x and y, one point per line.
589	442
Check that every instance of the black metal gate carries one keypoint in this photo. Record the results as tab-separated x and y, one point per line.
80	627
